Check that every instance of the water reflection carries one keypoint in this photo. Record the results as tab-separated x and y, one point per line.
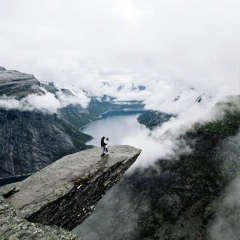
114	125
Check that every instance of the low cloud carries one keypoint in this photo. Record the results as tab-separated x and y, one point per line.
189	107
47	102
9	103
194	43
74	98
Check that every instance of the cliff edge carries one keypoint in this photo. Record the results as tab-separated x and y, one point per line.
62	194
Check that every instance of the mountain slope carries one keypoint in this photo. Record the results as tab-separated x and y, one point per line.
18	85
179	197
31	139
153	119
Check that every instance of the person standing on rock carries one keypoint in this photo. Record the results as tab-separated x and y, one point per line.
103	146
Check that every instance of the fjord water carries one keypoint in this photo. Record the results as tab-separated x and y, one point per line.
115	125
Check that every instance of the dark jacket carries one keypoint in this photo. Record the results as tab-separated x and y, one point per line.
102	142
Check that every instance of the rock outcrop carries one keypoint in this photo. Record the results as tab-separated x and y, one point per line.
62	194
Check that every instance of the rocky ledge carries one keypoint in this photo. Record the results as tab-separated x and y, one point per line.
62	194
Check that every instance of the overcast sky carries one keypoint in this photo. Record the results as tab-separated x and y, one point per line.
192	42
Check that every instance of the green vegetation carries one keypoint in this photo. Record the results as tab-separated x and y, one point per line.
96	108
227	122
228	125
207	138
76	116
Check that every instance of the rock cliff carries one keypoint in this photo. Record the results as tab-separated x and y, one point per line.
18	85
33	139
62	194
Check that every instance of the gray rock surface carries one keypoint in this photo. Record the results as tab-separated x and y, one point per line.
15	228
18	85
64	193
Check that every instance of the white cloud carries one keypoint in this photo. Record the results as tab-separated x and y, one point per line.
195	43
48	102
77	98
153	148
9	103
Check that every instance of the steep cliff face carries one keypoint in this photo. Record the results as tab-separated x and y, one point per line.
62	194
31	140
184	193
